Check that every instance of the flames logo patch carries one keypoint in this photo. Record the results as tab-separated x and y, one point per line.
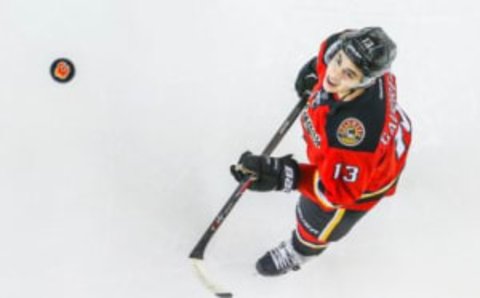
351	132
62	70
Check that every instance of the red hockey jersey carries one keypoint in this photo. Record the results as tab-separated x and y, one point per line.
356	149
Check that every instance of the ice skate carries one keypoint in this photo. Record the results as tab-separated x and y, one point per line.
280	260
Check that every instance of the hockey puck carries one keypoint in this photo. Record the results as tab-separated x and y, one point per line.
62	70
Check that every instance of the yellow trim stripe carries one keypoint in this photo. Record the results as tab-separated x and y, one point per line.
319	194
309	244
379	192
337	218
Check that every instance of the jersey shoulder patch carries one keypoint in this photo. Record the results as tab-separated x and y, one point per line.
358	125
350	132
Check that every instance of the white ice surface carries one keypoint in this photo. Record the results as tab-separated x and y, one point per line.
106	183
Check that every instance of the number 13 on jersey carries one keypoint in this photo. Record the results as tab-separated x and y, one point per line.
346	172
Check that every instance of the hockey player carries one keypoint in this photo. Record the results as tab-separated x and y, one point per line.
357	139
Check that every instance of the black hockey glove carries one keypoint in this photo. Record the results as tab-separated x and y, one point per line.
306	79
270	173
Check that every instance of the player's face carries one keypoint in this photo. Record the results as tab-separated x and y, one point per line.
342	75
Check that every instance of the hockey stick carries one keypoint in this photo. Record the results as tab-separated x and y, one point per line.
199	250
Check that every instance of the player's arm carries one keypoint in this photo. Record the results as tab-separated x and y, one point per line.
307	78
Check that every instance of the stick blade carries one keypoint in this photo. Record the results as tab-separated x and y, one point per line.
206	280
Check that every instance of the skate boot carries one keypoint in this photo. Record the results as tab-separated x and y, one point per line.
280	260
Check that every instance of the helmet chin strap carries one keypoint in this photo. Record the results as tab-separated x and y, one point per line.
366	82
352	94
358	89
369	81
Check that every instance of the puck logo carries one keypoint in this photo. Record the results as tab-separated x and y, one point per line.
62	70
351	132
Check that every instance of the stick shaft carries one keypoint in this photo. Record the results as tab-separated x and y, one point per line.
199	249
